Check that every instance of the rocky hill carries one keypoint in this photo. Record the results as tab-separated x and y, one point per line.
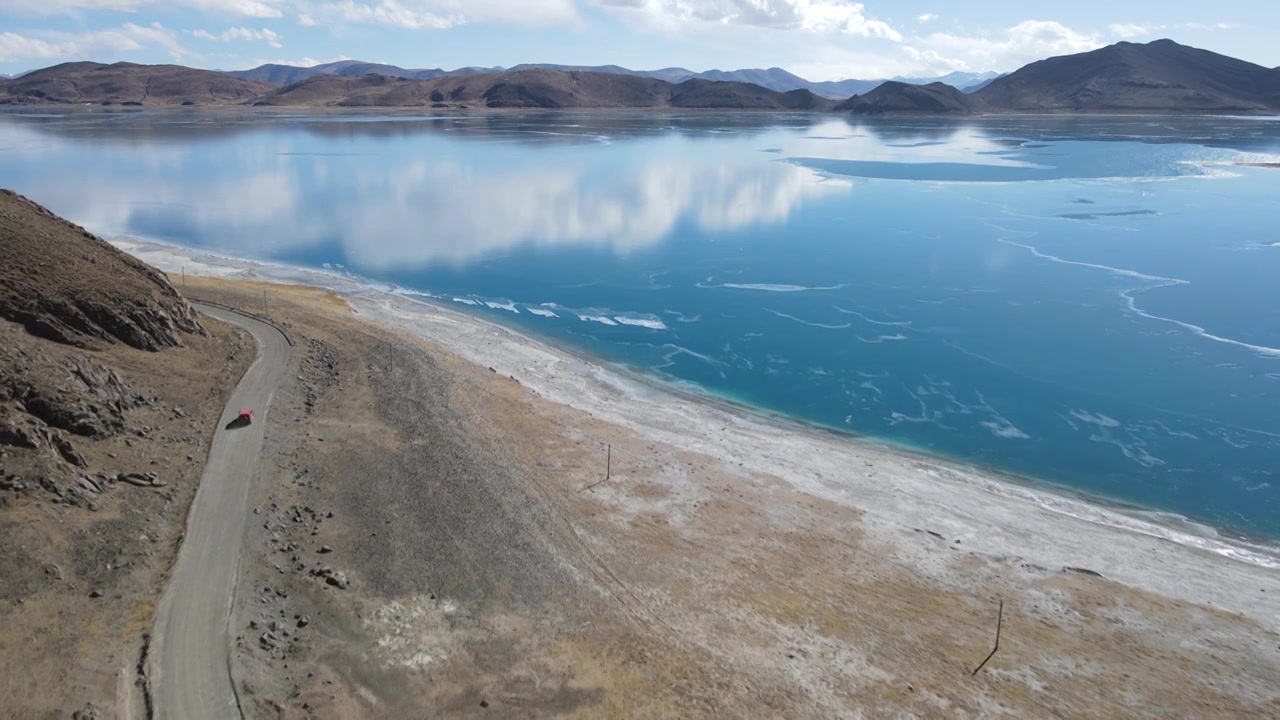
895	98
1160	76
536	89
62	292
61	283
128	84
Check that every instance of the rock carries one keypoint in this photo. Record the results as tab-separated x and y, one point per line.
95	593
338	580
1083	571
67	450
89	712
268	640
304	621
141	479
15	435
90	400
325	550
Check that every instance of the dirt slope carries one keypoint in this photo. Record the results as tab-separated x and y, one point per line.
63	284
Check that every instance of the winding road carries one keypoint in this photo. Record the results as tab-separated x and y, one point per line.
190	657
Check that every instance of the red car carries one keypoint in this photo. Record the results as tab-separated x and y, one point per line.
244	418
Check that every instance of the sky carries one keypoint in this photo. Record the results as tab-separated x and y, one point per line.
816	39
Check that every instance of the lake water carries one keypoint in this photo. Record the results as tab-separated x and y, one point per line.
1090	302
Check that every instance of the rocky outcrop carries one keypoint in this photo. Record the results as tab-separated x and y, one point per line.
73	322
63	284
82	397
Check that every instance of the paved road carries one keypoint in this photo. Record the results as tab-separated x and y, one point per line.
189	664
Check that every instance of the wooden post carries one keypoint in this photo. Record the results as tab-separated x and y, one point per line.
999	624
608	469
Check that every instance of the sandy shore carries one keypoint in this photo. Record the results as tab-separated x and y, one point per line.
910	523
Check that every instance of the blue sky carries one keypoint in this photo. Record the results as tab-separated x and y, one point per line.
817	39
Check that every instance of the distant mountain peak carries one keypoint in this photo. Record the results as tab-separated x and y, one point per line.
1158	76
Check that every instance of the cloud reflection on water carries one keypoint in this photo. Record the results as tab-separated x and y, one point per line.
406	201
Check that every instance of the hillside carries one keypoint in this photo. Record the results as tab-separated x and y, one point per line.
535	89
109	387
128	84
894	98
1161	76
63	284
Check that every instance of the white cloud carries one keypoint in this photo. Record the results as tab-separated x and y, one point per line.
241	33
465	211
306	20
813	15
1023	43
1210	26
927	18
248	8
443	14
1130	30
89	45
299	62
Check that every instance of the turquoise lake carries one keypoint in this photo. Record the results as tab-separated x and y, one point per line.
1092	302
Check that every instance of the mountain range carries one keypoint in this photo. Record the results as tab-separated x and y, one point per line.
1156	77
538	88
772	78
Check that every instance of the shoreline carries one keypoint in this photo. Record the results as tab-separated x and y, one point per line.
997	512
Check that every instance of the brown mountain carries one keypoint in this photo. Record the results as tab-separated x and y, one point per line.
536	88
128	84
896	98
1160	76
